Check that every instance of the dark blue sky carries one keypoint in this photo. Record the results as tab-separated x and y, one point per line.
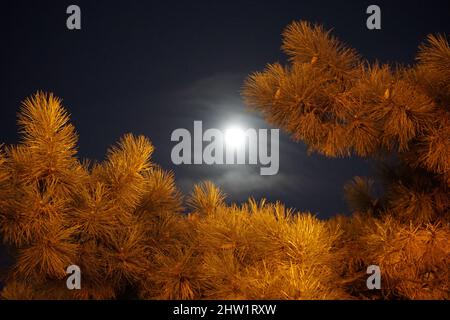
149	67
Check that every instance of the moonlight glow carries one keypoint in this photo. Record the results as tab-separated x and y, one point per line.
234	137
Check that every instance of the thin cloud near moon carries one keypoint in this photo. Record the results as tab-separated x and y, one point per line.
302	182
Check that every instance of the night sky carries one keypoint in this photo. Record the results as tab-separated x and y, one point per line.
149	67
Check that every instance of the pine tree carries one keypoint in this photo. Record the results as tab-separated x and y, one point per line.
56	211
251	251
341	105
121	220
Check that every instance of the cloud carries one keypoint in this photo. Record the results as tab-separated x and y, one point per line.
305	182
216	101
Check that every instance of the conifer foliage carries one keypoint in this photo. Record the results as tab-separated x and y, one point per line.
122	222
341	105
57	211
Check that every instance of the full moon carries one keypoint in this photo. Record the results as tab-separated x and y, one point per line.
234	137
